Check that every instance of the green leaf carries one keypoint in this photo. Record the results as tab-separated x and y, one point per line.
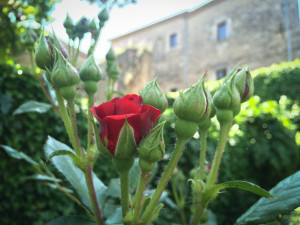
114	189
32	106
73	174
18	155
115	218
71	220
267	210
5	103
246	186
45	178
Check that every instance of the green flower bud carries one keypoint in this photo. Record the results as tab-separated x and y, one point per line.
152	147
113	71
103	15
82	26
110	55
244	84
227	101
68	22
28	37
152	95
90	71
93	28
233	72
212	106
43	54
63	73
193	104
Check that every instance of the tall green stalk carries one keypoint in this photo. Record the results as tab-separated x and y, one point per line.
138	197
124	179
164	180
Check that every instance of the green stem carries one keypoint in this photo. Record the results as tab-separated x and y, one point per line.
203	136
224	130
31	54
137	202
179	201
164	180
72	113
66	120
77	53
90	129
92	194
93	47
198	213
124	180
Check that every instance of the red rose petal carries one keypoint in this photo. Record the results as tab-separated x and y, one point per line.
124	106
135	99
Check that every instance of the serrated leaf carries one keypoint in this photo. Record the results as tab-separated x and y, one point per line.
73	174
32	106
45	178
18	155
267	210
246	186
71	220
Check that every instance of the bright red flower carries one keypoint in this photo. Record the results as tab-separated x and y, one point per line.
111	116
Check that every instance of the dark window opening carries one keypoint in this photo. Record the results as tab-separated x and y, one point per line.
221	73
173	40
222	31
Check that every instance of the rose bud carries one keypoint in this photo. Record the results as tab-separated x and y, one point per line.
93	28
110	55
191	107
227	101
82	26
103	17
113	71
244	84
152	148
68	22
28	37
124	120
90	74
44	56
152	95
64	77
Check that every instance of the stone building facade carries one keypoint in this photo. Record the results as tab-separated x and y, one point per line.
212	39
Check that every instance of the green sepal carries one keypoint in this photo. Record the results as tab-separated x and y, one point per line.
42	53
155	212
197	187
152	147
244	84
126	146
233	72
101	148
90	71
145	204
244	185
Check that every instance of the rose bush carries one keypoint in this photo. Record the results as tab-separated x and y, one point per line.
111	116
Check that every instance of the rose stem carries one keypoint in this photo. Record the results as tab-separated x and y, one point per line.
203	136
66	120
92	194
137	202
90	131
124	179
88	170
164	180
93	46
77	53
213	174
177	200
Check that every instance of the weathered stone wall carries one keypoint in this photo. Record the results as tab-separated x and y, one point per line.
256	37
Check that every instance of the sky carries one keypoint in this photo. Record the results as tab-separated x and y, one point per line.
121	21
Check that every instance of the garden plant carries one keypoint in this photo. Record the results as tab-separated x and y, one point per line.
128	130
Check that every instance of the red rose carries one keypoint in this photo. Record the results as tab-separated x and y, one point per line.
112	115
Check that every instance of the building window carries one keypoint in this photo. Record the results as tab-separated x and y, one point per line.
222	31
221	73
173	40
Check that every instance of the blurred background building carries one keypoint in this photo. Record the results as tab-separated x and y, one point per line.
211	38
